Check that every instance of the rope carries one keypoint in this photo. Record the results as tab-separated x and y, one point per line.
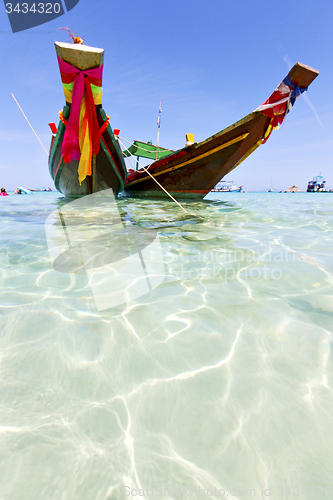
129	142
190	213
30	124
160	185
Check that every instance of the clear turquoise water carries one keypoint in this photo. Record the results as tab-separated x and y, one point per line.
199	357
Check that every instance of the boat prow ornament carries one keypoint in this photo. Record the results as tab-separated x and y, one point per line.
75	39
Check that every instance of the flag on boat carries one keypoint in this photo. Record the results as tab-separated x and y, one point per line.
159	115
278	105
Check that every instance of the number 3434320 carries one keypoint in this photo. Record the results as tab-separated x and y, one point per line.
35	8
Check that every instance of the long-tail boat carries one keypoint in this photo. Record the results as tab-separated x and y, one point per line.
85	156
193	171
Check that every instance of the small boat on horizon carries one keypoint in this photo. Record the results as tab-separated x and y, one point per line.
271	190
227	187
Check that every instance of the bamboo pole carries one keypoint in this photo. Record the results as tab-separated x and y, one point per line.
158	128
94	180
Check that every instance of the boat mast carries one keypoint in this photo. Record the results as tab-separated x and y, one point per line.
158	127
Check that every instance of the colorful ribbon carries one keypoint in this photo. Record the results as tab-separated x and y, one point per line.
296	91
278	105
83	89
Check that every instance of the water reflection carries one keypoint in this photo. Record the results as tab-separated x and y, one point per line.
88	236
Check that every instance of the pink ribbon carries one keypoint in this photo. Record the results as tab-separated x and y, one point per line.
70	147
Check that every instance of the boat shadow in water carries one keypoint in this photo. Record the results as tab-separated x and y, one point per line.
125	250
121	261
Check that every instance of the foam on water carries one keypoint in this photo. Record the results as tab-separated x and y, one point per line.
218	374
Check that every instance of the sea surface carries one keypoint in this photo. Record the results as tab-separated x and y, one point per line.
147	351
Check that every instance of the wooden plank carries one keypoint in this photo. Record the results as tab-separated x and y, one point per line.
81	56
302	75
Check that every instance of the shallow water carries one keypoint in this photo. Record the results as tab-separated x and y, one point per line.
145	348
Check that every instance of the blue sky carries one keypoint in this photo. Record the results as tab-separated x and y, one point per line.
210	63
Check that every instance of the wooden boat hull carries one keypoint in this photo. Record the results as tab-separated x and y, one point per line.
109	170
81	70
193	171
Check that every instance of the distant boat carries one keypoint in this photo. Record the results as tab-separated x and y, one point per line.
271	190
84	155
227	187
317	185
193	171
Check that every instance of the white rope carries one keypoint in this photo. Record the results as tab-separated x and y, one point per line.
128	158
146	170
129	142
194	215
160	185
30	124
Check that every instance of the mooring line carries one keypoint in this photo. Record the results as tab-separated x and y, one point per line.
29	124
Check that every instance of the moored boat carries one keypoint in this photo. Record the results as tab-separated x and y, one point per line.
227	187
84	155
270	190
192	172
318	185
